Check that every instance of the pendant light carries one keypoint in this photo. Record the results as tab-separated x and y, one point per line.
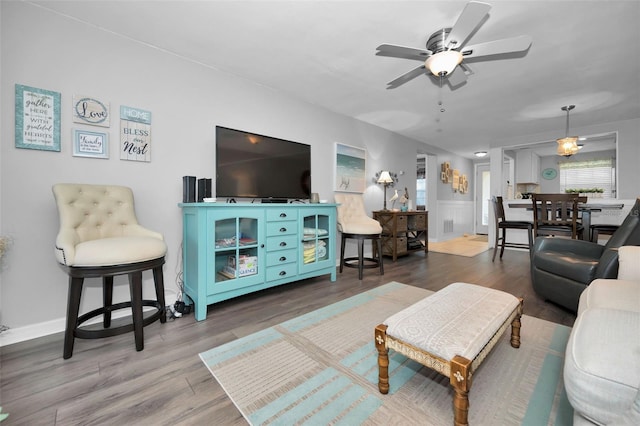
568	145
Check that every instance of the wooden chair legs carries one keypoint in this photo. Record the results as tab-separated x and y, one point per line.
361	262
134	272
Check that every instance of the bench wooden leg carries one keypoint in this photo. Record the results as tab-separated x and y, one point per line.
460	380
515	326
383	358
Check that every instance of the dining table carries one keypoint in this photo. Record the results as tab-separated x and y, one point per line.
585	210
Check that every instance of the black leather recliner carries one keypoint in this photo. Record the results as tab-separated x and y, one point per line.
562	268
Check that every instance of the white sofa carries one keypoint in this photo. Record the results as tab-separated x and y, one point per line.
602	362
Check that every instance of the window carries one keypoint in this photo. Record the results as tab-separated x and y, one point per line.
421	183
588	175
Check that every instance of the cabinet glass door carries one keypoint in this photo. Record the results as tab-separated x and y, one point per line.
316	250
236	249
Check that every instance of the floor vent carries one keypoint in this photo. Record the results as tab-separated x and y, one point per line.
448	226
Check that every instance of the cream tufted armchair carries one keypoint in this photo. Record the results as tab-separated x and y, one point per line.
100	236
353	222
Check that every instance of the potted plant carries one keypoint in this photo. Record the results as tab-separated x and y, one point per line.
586	192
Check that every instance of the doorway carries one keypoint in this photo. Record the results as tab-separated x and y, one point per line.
482	196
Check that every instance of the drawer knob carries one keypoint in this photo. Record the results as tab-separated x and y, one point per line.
283	215
282	259
283	229
283	244
283	273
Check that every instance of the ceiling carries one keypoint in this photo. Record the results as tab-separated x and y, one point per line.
323	52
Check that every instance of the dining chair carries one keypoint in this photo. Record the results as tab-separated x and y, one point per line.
502	224
597	229
556	214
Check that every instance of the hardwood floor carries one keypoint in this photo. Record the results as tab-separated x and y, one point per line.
108	382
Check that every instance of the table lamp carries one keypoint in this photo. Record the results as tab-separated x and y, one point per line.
385	179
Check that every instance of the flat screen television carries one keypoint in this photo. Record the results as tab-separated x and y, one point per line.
256	166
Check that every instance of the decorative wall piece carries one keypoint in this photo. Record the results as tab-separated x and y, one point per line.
37	118
135	134
350	166
446	173
463	184
459	182
90	144
92	111
455	182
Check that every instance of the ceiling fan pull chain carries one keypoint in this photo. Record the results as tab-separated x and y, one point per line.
440	103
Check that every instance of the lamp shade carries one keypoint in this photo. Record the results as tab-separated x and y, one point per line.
385	177
568	146
443	63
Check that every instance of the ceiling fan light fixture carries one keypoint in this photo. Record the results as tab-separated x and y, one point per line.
568	145
443	63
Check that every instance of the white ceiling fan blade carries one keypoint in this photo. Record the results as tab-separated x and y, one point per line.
410	75
497	47
402	52
457	78
469	19
467	69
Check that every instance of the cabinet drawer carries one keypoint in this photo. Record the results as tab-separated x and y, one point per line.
284	214
282	271
282	242
417	222
401	223
401	246
281	228
281	256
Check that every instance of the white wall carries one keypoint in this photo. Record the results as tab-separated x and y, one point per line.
187	101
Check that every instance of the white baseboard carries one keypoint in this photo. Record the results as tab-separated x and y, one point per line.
28	332
33	331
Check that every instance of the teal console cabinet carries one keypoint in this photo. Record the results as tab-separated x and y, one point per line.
233	249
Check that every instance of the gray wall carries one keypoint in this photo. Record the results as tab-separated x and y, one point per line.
187	101
553	185
628	144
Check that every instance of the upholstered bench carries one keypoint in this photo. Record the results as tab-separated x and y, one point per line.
451	332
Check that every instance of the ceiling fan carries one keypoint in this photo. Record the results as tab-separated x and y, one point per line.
446	49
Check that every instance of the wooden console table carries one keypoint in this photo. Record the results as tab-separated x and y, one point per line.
403	232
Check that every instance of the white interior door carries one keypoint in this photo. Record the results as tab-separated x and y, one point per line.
482	195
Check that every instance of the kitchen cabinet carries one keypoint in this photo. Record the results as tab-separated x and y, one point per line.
527	167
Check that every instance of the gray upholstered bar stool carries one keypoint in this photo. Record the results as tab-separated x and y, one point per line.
354	223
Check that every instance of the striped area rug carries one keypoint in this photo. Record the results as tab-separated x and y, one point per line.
321	368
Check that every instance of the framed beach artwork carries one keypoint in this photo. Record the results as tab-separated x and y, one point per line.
350	168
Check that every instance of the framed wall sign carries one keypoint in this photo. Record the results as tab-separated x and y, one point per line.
90	144
135	134
92	111
37	118
350	168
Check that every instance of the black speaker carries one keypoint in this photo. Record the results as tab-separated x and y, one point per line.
204	189
188	189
